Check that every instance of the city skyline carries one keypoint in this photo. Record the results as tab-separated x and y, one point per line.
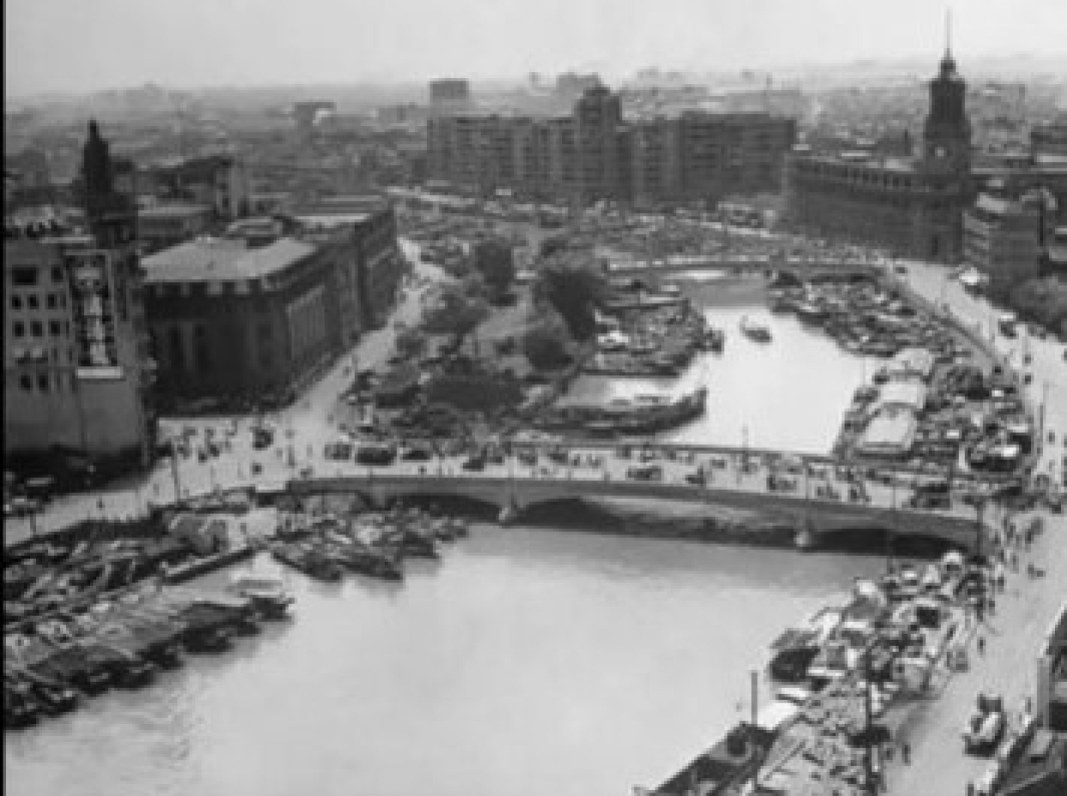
206	43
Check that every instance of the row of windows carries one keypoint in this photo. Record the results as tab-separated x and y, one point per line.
31	301
29	275
45	382
36	328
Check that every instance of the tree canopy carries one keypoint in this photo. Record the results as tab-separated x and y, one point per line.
457	312
495	261
574	286
545	344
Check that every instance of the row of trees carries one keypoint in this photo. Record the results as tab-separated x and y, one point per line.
1041	300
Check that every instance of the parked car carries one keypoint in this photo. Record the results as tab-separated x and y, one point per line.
648	472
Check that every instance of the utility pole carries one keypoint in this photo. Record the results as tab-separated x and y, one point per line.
868	758
174	471
755	745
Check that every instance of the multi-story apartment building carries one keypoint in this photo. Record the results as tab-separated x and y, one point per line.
77	376
595	154
449	95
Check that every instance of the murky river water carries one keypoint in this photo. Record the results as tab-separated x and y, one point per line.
527	661
790	393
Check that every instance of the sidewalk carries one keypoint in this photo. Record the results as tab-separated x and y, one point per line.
1024	611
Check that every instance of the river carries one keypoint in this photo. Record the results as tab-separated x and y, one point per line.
788	394
526	661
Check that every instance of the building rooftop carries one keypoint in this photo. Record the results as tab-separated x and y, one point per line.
855	158
222	259
173	210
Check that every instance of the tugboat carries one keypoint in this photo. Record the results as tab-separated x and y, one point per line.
308	560
754	330
365	560
409	543
269	596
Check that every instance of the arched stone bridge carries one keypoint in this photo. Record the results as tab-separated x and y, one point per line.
814	520
806	268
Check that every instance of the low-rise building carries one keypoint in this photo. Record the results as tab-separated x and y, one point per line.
163	225
1004	238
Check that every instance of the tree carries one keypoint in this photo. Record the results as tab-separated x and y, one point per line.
553	245
574	287
495	261
456	312
411	343
545	344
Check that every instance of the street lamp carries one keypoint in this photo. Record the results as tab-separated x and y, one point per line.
979	508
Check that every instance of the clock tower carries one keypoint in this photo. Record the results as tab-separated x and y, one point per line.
947	132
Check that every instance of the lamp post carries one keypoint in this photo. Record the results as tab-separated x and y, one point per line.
868	758
174	471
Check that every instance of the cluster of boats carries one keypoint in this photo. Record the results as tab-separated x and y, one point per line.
75	565
123	639
374	545
863	318
839	674
644	414
652	340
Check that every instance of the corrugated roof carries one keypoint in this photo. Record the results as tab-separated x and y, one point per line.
222	259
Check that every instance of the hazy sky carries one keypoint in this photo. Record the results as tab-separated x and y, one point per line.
75	45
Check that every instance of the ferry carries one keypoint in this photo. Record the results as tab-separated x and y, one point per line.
754	330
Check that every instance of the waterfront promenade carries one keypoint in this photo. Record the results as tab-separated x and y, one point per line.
1024	611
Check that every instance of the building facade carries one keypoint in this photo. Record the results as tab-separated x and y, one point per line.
911	206
449	95
163	225
1004	238
77	375
220	182
230	321
596	154
244	317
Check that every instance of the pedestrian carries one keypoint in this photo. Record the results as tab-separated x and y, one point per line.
981	645
905	752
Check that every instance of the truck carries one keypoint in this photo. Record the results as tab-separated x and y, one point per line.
985	727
